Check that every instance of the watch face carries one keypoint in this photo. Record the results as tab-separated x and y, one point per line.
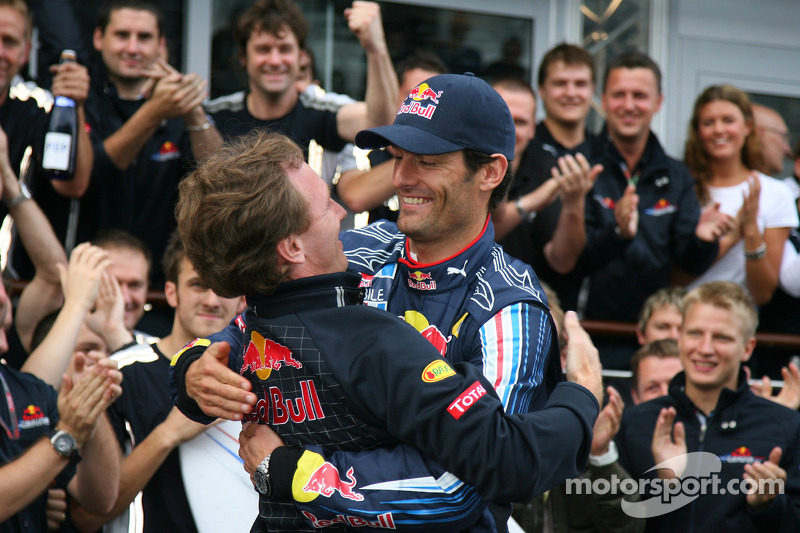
262	481
65	444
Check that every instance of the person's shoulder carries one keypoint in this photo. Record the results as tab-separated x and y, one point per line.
774	186
511	278
230	103
372	246
316	99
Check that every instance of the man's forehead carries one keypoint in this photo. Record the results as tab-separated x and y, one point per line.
125	16
284	33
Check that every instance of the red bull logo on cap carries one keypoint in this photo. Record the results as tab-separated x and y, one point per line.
326	480
262	356
419	94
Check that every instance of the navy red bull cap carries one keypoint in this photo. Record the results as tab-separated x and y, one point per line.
447	113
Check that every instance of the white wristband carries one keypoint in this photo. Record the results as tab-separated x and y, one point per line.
607	458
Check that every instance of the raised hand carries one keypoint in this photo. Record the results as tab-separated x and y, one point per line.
627	213
668	442
364	20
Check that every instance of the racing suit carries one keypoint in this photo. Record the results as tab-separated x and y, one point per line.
743	428
479	306
329	372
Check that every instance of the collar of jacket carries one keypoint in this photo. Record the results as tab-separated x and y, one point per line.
305	294
654	158
727	404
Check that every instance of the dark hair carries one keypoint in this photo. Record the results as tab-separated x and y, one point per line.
474	160
569	54
236	207
660	349
109	6
271	16
630	60
43	328
695	155
422	60
173	257
118	238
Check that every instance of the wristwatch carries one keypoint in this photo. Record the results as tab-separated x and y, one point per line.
64	444
526	215
261	476
24	194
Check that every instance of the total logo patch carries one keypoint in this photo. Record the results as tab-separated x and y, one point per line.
437	371
467	399
662	207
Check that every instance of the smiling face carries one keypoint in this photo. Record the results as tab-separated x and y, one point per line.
712	348
14	47
322	249
664	323
567	92
272	62
630	99
653	377
441	202
129	44
199	311
722	130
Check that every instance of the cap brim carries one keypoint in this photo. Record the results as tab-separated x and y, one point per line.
408	138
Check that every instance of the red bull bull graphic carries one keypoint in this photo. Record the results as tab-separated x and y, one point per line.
437	371
422	281
262	356
33	417
423	91
427	330
326	480
277	410
467	399
384	521
418	95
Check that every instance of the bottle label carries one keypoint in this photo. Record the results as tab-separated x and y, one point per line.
63	101
57	149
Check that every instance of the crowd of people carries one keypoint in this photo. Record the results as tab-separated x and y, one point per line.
484	227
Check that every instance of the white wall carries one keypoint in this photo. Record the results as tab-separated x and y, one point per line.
753	45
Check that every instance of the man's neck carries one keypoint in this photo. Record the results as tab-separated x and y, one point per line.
631	150
704	399
270	106
568	134
445	246
172	343
128	89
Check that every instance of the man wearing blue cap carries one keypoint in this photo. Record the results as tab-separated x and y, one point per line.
439	267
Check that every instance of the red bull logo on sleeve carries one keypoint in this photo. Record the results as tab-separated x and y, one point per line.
326	480
421	281
419	94
262	356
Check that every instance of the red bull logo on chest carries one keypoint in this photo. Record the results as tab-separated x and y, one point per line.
421	281
262	356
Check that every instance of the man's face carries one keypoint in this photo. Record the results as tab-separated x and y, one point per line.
664	323
130	43
272	62
199	310
567	92
14	47
712	347
320	241
522	105
438	196
130	269
6	318
654	375
774	136
630	100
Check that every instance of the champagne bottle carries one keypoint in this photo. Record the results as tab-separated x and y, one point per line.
61	139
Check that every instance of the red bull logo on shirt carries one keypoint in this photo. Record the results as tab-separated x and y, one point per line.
741	455
33	417
421	93
262	356
276	409
428	330
421	281
384	521
326	480
662	207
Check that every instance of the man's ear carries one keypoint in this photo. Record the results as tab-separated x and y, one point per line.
290	250
171	293
97	39
749	346
492	174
